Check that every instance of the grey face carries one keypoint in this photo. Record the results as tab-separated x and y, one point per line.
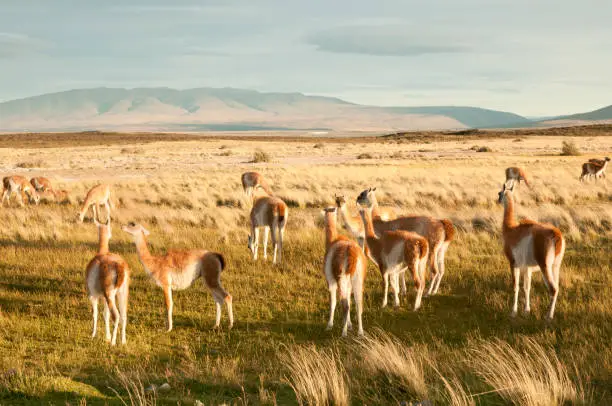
250	244
500	195
364	197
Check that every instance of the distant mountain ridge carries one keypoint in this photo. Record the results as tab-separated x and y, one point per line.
604	113
165	109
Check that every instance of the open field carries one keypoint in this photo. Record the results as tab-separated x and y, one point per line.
461	347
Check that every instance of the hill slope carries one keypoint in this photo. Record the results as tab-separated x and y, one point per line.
605	113
164	109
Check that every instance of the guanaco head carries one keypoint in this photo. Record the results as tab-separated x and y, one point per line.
506	191
104	228
135	229
340	201
33	195
329	211
367	197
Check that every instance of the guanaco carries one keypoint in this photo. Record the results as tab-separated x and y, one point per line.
517	174
97	196
18	185
438	233
529	245
108	278
253	180
345	270
269	213
178	270
394	252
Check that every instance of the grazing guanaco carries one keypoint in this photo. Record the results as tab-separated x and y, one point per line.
438	233
345	270
41	184
108	278
269	213
394	252
97	195
516	174
594	168
18	185
529	245
252	181
178	270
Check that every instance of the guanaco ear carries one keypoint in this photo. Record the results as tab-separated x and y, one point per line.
373	189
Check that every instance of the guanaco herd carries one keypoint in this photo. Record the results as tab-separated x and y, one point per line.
396	244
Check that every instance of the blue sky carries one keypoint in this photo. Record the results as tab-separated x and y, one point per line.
531	57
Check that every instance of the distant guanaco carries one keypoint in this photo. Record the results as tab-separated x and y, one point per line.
43	185
529	245
253	180
108	278
18	185
97	195
594	168
178	270
439	234
516	174
269	213
345	270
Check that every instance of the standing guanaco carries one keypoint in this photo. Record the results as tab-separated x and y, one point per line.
594	168
18	185
345	270
517	174
108	277
252	181
269	213
394	252
177	270
438	233
529	245
97	195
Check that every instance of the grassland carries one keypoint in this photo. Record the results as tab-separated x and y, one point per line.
460	348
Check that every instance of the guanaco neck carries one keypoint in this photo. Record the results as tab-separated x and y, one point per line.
372	241
351	224
509	218
103	234
331	233
375	210
143	253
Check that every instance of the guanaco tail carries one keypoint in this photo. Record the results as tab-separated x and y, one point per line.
529	246
345	270
178	270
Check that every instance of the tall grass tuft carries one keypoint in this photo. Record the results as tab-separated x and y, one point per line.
316	376
400	364
133	386
531	377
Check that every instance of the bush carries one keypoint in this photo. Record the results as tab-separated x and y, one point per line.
226	153
261	156
570	149
319	145
39	163
365	155
483	149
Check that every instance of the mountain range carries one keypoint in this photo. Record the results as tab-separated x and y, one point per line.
165	109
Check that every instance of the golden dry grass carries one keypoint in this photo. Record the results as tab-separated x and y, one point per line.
187	192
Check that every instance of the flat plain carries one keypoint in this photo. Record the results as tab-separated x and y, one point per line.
461	347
